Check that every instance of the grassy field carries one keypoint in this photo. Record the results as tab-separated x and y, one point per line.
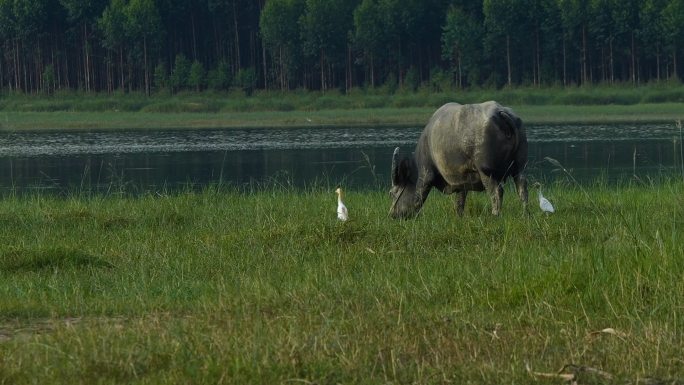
74	111
266	287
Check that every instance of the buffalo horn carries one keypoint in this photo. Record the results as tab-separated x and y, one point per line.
395	169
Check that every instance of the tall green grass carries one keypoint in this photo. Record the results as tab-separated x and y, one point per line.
266	286
236	101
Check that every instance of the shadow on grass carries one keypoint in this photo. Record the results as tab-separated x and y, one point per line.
31	260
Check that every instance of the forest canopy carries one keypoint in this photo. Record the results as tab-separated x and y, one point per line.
153	45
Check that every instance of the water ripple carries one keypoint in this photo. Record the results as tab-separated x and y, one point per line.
41	143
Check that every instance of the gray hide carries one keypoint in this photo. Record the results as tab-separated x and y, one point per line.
470	147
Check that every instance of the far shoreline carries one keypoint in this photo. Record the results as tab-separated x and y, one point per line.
67	121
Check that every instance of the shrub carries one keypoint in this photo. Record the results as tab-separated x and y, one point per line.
197	76
160	79
180	74
219	78
440	80
49	79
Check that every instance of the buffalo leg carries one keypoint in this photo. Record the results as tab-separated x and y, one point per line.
521	186
460	202
423	187
495	191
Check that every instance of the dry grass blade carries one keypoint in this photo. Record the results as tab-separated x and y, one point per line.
657	381
570	373
562	376
301	380
586	369
610	331
554	162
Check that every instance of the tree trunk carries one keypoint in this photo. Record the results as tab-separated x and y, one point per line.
110	75
86	57
674	63
217	40
39	68
565	77
348	71
263	56
633	60
322	72
538	59
121	70
130	76
17	72
2	73
237	38
282	69
658	64
612	63
460	73
372	71
508	58
147	73
585	75
67	81
194	37
24	70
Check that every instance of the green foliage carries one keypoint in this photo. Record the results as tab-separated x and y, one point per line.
390	85
461	37
180	74
219	78
197	77
246	80
440	81
342	44
325	27
279	26
112	25
161	77
49	79
412	79
143	26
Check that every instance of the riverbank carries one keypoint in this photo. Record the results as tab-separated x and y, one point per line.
267	287
409	117
72	111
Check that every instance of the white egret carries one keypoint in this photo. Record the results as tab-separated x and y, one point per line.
342	212
544	203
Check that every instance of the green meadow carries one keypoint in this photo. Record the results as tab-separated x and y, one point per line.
227	286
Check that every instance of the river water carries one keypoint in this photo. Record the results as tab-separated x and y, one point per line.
166	161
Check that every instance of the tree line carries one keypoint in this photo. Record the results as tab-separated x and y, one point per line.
151	45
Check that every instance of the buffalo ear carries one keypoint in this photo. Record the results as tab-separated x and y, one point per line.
401	169
508	122
404	172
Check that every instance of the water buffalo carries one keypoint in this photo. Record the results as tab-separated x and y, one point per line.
470	147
